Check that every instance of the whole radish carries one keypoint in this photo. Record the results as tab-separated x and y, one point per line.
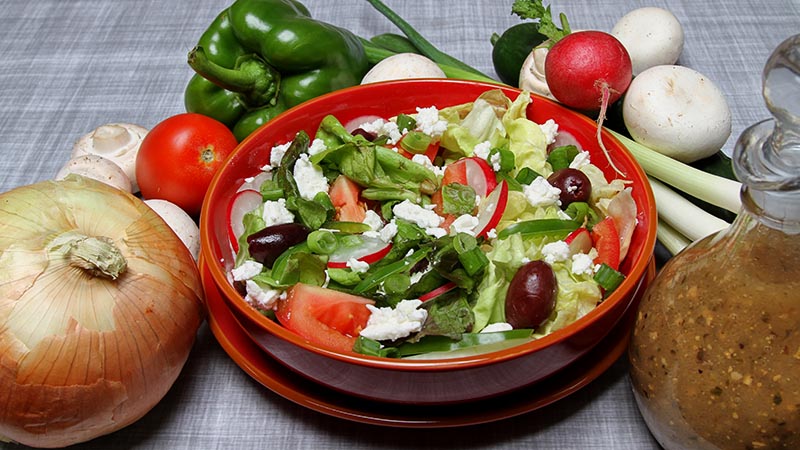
588	70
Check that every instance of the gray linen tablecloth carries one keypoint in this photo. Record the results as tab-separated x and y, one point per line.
68	66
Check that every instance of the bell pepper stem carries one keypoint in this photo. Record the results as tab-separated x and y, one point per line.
255	80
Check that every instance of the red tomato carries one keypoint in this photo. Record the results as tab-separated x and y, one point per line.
178	158
322	316
344	195
605	239
430	152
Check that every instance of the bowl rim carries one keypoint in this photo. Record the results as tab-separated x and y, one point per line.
633	278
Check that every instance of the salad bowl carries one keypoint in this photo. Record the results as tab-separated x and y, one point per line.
441	380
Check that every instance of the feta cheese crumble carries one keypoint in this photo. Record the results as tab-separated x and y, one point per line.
276	213
317	146
482	150
247	270
263	298
309	177
276	155
580	160
426	162
422	217
555	252
429	123
357	266
384	128
582	264
541	193
388	324
464	223
550	130
373	220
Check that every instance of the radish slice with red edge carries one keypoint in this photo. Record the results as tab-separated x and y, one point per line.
479	174
579	241
242	202
491	209
254	183
447	287
370	250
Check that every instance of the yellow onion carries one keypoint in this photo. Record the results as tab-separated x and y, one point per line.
100	303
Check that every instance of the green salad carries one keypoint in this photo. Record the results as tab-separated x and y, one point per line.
434	233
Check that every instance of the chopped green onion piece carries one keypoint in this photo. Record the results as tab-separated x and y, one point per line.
473	260
458	199
507	159
526	175
464	242
346	227
583	213
322	242
556	227
560	157
406	122
608	278
416	142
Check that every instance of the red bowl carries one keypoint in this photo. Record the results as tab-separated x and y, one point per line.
439	381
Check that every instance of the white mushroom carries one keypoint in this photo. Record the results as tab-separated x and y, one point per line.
180	222
653	37
98	168
402	66
118	142
677	111
531	75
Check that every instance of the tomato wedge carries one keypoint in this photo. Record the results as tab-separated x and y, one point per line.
606	241
324	317
345	196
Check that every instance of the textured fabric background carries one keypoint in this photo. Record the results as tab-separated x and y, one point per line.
68	66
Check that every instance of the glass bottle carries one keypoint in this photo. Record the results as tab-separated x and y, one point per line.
715	352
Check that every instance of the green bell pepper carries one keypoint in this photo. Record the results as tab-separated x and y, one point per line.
261	57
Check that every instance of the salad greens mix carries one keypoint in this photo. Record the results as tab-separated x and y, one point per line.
407	235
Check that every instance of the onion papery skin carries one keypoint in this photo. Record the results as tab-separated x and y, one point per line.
82	356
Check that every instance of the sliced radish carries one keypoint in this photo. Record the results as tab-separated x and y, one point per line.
356	123
579	241
480	176
255	182
370	250
491	209
242	202
437	292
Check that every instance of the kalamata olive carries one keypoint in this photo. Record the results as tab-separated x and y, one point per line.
574	185
531	296
267	244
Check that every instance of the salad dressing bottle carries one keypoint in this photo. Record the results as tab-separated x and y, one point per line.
715	352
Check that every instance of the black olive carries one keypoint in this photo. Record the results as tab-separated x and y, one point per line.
531	296
574	185
267	244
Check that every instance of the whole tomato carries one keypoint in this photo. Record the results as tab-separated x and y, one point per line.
178	158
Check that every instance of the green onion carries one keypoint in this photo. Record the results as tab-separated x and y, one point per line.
322	242
347	227
670	238
560	157
526	175
540	227
718	191
473	261
420	42
416	142
682	215
371	347
608	278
